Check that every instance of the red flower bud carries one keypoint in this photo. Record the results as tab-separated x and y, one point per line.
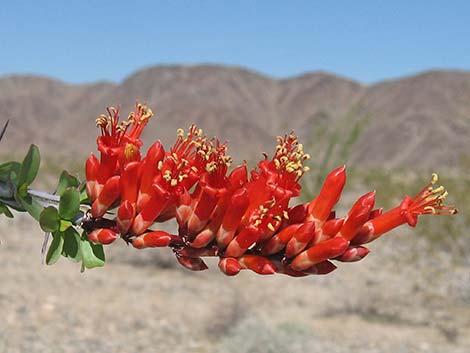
154	239
102	236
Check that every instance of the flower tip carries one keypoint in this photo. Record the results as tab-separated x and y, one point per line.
92	167
138	243
369	198
338	175
339	170
268	269
229	266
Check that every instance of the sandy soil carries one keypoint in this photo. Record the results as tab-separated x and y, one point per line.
400	299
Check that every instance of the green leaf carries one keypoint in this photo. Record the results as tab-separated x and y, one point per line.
30	166
32	206
7	190
49	219
66	180
72	245
4	210
9	173
69	204
55	249
84	198
7	167
64	225
92	254
22	190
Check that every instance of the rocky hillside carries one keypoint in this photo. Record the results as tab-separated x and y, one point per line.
421	121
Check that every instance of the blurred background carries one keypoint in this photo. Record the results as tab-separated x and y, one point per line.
381	86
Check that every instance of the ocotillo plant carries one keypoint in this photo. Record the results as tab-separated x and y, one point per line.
245	218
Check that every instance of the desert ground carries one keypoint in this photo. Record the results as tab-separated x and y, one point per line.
399	299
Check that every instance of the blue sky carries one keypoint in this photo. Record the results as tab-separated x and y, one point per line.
84	41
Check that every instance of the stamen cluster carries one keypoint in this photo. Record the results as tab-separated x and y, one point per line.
243	217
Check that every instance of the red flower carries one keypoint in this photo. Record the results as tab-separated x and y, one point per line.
118	146
242	217
427	201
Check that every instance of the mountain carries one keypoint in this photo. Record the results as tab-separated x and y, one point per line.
421	121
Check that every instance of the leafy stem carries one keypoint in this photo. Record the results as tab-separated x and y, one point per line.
61	214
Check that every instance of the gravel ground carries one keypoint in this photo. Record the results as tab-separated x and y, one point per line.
400	299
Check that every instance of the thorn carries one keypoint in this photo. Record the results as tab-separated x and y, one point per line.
45	243
4	129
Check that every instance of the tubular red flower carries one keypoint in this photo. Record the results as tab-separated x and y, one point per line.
117	141
300	239
92	171
152	209
243	217
280	239
353	254
229	266
118	144
231	219
129	182
326	250
258	264
152	239
108	195
103	236
357	216
125	216
321	206
428	201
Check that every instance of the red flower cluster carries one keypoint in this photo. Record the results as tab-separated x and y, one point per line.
242	217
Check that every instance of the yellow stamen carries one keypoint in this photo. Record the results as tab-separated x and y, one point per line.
102	121
430	209
443	196
144	112
290	155
167	175
210	167
438	190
